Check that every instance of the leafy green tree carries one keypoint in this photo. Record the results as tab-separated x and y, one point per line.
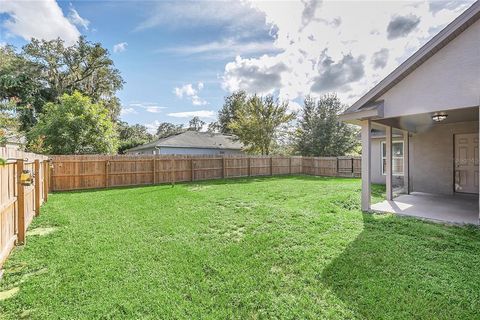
257	122
195	124
131	136
85	67
320	132
213	127
229	109
75	125
21	89
166	129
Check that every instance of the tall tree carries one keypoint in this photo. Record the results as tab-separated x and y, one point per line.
166	129
22	93
132	135
257	122
320	132
195	124
214	127
229	109
75	125
85	67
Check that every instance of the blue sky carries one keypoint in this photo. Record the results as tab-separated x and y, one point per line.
180	59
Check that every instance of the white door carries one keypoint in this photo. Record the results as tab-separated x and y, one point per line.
466	163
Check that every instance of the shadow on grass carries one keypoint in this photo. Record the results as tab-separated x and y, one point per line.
402	268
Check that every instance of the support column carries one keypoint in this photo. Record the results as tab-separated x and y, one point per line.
406	162
479	164
388	166
366	141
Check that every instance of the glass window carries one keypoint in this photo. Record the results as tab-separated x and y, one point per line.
397	158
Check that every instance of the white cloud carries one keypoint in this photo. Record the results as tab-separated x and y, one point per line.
75	18
120	47
151	107
154	109
226	48
334	45
38	19
209	114
262	75
128	110
236	17
190	92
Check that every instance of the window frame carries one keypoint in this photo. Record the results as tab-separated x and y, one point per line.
383	145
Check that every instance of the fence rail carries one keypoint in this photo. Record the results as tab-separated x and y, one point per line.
20	204
93	171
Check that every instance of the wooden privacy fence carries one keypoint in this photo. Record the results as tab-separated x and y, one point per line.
96	171
19	204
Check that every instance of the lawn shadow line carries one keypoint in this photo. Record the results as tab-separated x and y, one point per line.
400	267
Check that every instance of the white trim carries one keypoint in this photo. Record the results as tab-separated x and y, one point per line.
382	146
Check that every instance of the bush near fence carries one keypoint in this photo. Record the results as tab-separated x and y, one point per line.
19	204
94	171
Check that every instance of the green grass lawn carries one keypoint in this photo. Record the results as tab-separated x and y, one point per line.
283	247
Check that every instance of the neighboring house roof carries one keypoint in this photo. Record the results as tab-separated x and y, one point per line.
450	32
194	139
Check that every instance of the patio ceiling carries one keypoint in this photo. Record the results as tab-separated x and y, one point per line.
421	122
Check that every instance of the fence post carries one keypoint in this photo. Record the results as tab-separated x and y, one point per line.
154	165
173	171
353	171
46	169
271	165
223	167
37	186
106	174
290	165
249	167
193	169
20	205
337	172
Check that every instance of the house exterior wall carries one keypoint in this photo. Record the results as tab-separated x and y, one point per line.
185	151
448	80
432	157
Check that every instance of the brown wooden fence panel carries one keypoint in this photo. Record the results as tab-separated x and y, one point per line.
88	172
16	198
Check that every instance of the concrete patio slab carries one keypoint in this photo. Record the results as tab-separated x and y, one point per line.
458	208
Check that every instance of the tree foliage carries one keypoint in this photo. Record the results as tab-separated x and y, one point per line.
320	132
229	109
256	123
45	70
131	136
75	125
195	124
166	129
21	88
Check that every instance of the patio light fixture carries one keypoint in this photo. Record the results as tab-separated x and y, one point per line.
439	116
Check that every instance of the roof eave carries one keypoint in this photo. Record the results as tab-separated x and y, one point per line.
355	117
462	22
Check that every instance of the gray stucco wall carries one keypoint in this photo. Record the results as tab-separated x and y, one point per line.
185	151
432	157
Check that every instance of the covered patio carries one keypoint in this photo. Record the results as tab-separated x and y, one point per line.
420	129
437	176
456	209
